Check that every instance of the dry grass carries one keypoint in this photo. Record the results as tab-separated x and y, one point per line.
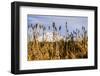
68	48
57	50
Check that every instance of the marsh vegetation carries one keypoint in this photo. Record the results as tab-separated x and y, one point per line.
73	45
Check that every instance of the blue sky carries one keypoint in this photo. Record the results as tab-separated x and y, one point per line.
73	22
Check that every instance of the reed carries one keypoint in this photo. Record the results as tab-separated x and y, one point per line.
74	46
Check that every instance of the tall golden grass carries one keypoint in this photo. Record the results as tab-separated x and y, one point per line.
61	49
56	50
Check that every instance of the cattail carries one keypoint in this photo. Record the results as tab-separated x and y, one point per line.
55	28
49	27
83	28
53	24
59	28
44	28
